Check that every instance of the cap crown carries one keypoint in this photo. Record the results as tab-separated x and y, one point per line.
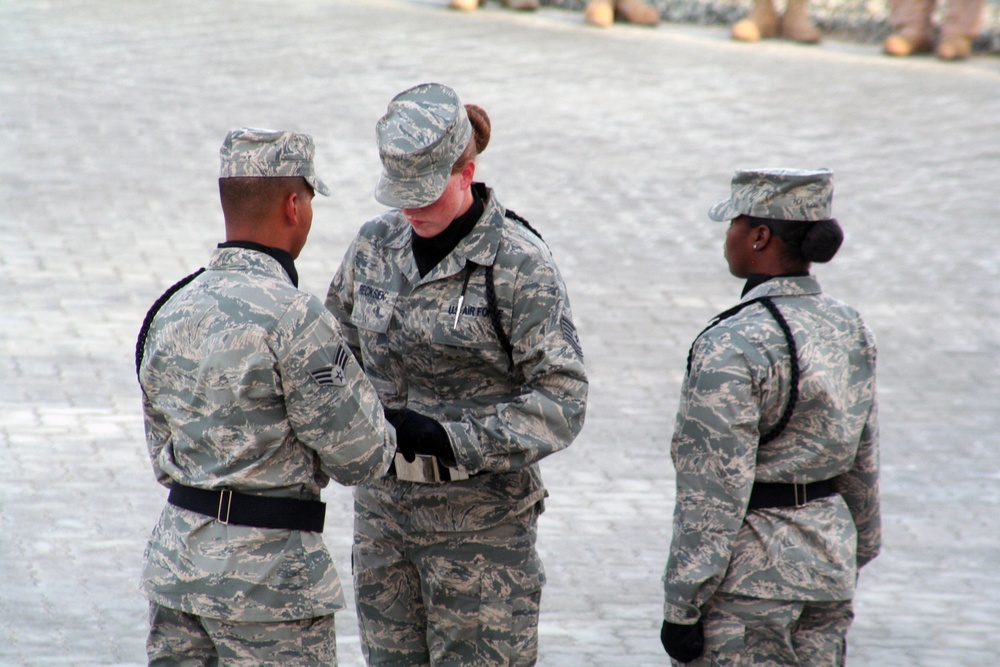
252	152
423	133
779	194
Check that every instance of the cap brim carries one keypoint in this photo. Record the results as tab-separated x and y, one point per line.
724	211
410	192
318	185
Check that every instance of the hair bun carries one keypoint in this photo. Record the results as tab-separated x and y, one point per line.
480	126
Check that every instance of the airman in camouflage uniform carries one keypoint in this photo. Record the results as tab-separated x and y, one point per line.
252	402
775	446
445	566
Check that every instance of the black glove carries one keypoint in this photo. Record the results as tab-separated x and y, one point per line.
684	643
417	434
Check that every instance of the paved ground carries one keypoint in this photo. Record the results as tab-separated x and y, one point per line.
613	143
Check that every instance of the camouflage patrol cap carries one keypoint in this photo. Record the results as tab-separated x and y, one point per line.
778	194
423	133
269	154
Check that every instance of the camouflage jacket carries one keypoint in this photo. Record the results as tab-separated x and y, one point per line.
737	389
235	396
421	353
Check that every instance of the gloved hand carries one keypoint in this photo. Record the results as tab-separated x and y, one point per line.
417	434
683	643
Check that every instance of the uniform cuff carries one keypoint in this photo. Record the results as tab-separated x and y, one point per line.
465	444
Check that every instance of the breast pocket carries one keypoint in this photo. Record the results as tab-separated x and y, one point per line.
468	358
373	307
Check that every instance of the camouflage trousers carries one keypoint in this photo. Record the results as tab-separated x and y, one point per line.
448	599
184	640
742	631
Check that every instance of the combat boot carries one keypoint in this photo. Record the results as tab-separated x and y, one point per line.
906	42
599	12
521	5
796	24
464	5
913	31
954	48
762	22
637	12
959	27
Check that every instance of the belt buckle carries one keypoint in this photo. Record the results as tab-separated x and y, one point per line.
423	469
228	503
426	469
804	500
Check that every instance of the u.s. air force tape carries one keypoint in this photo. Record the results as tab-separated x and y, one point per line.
332	375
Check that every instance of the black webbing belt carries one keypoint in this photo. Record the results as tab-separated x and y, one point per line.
772	494
245	510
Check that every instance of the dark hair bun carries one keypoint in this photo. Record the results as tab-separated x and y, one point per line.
480	126
822	241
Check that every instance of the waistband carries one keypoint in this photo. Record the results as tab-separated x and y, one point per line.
233	507
775	494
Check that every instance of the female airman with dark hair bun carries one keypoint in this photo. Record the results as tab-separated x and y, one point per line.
775	445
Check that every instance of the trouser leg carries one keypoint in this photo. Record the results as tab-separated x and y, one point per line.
391	615
820	635
310	642
912	17
963	19
482	591
773	633
177	639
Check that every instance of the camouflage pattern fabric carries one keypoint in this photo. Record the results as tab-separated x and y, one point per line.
250	152
421	136
796	195
447	598
248	386
736	390
501	420
176	638
743	631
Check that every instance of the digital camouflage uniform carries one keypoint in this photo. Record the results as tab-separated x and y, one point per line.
247	385
447	574
775	566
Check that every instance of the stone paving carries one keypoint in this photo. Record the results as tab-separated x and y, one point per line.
614	144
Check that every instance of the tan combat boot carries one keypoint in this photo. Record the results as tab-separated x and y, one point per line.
599	12
906	42
954	48
464	5
913	31
959	27
762	22
637	12
796	24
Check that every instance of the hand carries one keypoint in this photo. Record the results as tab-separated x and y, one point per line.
417	434
683	643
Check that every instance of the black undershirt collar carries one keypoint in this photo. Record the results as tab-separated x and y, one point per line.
283	256
428	253
755	279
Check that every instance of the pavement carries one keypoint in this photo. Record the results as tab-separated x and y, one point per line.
613	143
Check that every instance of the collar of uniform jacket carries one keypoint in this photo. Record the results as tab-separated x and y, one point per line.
784	286
233	257
480	246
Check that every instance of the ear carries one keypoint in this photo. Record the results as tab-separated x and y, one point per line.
291	208
468	173
760	236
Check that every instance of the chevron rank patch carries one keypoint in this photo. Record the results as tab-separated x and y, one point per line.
569	333
332	375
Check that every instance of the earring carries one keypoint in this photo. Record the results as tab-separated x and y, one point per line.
754	246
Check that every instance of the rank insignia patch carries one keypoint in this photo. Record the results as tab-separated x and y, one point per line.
332	375
569	333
